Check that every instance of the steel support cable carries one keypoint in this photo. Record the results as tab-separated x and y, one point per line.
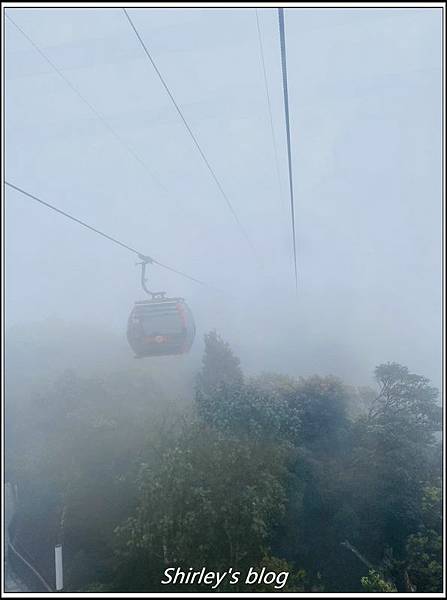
30	566
269	105
282	38
191	133
106	124
104	235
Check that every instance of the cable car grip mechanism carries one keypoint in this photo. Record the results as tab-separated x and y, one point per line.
144	261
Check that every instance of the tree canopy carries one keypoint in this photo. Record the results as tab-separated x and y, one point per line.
338	486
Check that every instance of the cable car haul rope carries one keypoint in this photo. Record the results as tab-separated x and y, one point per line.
163	325
282	38
157	327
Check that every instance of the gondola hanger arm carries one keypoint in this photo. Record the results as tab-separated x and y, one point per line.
144	261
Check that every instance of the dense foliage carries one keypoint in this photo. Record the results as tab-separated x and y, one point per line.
338	486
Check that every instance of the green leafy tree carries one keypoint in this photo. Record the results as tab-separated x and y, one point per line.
391	463
405	401
223	400
220	366
424	548
77	471
374	582
209	498
322	404
271	471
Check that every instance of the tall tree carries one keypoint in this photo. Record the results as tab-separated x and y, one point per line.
391	462
220	366
207	498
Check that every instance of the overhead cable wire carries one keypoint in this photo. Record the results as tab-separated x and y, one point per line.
191	133
282	38
103	120
272	129
104	235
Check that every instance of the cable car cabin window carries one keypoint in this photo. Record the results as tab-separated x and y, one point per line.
163	322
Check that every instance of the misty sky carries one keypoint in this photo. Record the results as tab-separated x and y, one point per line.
365	102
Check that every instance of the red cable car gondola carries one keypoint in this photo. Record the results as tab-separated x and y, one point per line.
160	326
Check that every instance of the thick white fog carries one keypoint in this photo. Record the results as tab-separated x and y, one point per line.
365	103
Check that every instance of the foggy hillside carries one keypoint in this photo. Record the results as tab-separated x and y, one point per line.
223	299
